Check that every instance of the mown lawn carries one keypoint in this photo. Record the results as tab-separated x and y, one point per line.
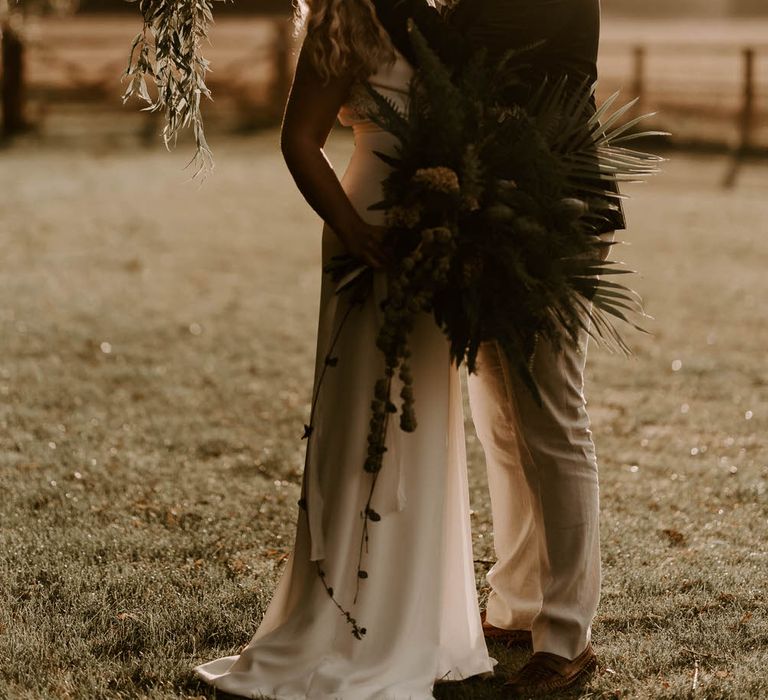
156	353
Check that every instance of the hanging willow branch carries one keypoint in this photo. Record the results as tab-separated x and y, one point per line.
168	53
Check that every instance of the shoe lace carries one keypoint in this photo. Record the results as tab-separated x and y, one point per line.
534	674
539	668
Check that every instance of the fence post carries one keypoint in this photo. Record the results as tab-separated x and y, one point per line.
746	116
748	107
638	77
12	80
283	71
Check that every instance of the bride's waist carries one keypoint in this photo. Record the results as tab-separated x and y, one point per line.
368	130
365	173
369	137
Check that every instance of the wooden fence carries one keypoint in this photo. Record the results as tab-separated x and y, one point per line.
710	95
715	92
725	83
72	68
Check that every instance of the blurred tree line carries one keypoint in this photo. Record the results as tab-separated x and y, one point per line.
687	8
232	7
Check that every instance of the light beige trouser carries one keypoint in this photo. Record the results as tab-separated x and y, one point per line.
542	474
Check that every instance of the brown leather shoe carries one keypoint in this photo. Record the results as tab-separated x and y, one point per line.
546	673
509	638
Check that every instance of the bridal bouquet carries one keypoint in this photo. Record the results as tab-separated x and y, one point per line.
494	212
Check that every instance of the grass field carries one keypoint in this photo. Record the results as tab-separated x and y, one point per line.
156	352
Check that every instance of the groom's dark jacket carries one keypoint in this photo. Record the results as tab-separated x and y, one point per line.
561	37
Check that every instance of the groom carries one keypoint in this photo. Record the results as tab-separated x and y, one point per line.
542	468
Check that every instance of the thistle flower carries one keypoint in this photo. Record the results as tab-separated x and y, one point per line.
438	179
501	213
472	270
438	234
507	185
471	203
403	217
573	208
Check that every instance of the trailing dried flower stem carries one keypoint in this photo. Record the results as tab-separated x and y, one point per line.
331	361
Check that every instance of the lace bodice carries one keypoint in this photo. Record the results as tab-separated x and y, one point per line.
392	81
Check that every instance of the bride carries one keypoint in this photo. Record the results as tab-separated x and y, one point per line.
367	607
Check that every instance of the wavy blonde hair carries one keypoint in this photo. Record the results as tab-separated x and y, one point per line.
344	36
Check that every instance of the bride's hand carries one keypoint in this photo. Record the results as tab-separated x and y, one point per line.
367	243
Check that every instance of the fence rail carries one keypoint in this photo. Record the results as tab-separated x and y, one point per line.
726	82
714	91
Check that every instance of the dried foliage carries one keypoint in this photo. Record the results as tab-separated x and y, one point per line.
168	53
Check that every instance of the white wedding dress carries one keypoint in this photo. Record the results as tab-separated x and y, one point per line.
419	603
